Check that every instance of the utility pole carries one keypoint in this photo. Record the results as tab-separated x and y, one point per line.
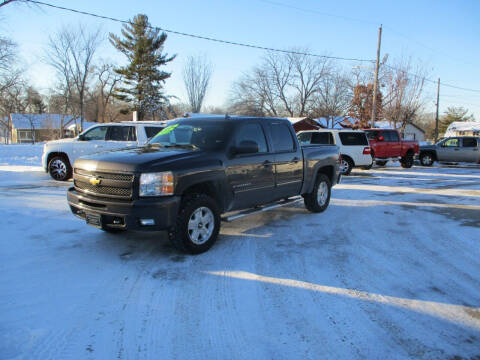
436	114
375	84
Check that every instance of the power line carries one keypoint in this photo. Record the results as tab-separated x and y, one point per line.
199	36
432	81
244	44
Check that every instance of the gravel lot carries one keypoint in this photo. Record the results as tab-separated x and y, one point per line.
390	270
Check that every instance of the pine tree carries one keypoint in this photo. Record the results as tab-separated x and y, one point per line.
143	80
453	114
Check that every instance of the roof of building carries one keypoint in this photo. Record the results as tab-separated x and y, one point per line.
462	126
42	121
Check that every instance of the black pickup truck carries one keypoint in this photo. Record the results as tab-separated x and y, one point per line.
197	169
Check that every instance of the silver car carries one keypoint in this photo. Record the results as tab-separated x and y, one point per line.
452	149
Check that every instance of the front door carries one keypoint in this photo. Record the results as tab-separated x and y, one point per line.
393	143
449	150
93	140
251	176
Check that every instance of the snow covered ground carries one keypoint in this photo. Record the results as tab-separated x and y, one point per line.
390	271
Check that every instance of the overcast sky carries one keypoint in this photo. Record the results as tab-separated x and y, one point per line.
443	35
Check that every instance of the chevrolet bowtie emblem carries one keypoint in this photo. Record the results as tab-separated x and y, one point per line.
94	181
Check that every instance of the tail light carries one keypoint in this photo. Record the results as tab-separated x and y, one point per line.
367	150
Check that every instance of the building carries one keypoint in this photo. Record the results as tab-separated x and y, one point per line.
304	123
29	128
463	128
410	132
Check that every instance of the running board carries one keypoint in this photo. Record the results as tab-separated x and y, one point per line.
261	209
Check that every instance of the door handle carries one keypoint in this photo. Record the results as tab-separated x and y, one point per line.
296	159
456	149
98	146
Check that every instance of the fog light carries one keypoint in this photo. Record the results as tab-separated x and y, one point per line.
147	222
117	221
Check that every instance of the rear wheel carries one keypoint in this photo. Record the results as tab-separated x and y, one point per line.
318	200
407	161
426	159
346	166
197	225
59	168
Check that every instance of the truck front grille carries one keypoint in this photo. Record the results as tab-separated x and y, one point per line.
109	184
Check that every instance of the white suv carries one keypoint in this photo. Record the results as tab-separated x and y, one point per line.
353	144
59	155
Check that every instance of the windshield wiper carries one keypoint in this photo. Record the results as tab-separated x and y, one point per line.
188	146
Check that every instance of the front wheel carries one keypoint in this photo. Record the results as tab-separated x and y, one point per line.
59	168
318	200
197	225
426	159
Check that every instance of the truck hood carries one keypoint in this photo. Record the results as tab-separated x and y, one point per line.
427	147
61	141
138	159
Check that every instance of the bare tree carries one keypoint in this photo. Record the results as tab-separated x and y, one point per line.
402	88
71	51
197	73
282	85
334	97
107	80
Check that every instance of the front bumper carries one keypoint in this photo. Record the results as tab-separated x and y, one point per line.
126	215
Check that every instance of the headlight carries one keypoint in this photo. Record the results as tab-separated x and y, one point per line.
156	184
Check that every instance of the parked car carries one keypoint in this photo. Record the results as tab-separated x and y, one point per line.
451	149
198	168
59	155
353	144
387	145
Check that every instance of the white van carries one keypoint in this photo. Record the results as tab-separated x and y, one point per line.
353	144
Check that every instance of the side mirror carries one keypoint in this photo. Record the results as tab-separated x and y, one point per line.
81	137
246	147
380	138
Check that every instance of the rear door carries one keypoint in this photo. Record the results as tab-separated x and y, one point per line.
288	160
394	144
470	150
251	176
120	137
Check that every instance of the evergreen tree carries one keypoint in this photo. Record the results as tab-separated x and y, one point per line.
143	80
453	114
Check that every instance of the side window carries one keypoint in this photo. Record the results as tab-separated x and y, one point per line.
353	138
304	138
393	136
451	143
281	137
97	133
252	132
469	142
322	138
122	133
151	131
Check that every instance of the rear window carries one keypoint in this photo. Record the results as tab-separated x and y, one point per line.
282	138
151	131
353	138
316	138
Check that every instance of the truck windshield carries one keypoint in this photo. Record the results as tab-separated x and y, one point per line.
204	135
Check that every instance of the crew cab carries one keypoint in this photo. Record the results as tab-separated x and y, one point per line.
387	144
452	149
353	144
58	155
197	169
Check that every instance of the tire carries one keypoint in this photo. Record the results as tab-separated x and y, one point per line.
380	163
426	159
59	168
407	161
346	166
197	225
317	202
